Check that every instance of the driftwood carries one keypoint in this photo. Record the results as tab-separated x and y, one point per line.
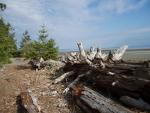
75	81
91	54
100	55
83	56
119	53
100	103
122	85
37	64
120	81
62	77
29	102
94	56
137	103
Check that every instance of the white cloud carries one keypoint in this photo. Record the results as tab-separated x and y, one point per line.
118	6
68	20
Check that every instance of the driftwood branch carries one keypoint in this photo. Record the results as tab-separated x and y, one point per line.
83	55
76	81
62	77
119	53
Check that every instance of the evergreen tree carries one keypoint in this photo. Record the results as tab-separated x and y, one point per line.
25	44
2	6
43	35
43	47
7	42
46	47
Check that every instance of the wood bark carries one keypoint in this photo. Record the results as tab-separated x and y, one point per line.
29	102
100	103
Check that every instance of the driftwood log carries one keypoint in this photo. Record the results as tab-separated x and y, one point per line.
123	83
29	102
98	102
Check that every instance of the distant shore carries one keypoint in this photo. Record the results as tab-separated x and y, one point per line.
130	49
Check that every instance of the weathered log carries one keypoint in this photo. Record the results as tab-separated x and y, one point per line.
137	103
76	81
62	77
83	107
100	103
29	102
121	84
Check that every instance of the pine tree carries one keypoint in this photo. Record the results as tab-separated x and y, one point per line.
2	6
25	44
46	47
43	34
43	47
7	42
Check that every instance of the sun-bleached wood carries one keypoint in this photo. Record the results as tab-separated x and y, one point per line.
75	81
119	53
62	77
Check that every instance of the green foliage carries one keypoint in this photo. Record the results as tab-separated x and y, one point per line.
25	44
7	42
43	35
2	6
44	47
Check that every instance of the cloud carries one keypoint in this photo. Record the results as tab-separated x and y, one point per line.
116	6
67	20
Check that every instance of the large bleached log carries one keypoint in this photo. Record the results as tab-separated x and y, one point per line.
119	53
91	54
100	55
82	51
83	55
100	103
62	77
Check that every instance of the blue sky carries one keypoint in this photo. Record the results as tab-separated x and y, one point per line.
99	23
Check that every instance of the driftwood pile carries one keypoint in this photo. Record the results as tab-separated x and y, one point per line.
104	83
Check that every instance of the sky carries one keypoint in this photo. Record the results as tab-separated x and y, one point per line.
99	23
